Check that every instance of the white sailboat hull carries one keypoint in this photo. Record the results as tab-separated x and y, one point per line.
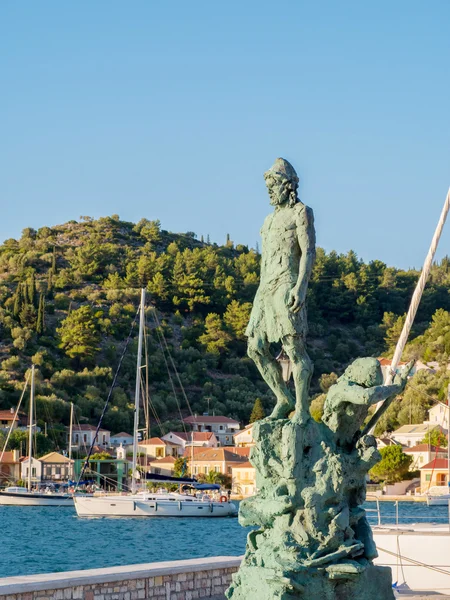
420	560
133	506
31	499
441	500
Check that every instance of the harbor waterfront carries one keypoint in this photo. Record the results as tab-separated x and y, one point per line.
45	540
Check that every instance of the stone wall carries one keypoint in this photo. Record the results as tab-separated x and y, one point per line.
177	580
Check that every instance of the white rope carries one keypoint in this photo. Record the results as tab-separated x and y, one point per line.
415	301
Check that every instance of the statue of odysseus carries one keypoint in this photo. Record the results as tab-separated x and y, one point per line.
279	314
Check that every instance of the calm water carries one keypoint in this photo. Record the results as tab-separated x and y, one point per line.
48	539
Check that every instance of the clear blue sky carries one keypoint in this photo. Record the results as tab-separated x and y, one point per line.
173	110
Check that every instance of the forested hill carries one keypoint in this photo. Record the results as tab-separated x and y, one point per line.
69	295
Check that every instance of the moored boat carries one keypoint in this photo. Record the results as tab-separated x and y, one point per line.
20	496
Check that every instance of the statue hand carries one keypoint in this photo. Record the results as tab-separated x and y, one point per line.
296	300
401	378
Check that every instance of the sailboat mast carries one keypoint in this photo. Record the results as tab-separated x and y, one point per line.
70	439
30	435
137	391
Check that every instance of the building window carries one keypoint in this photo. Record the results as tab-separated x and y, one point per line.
229	470
217	469
33	472
428	477
206	470
77	438
85	437
159	452
157	471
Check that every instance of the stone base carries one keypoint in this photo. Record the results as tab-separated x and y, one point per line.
257	583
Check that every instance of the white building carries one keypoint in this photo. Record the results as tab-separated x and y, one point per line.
438	415
159	448
423	454
121	439
223	427
411	435
244	438
244	479
198	439
36	470
163	466
83	436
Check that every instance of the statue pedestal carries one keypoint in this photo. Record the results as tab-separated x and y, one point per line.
257	583
313	540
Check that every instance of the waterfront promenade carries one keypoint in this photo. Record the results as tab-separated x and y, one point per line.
175	580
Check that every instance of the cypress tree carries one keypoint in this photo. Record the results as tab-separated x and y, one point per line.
31	289
50	282
40	324
258	411
54	260
17	300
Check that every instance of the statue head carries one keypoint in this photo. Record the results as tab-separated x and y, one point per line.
364	371
282	183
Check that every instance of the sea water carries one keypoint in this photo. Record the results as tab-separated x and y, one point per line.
48	539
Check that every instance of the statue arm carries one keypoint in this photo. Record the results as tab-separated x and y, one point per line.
359	395
307	241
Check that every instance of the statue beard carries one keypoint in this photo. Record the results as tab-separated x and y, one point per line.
278	200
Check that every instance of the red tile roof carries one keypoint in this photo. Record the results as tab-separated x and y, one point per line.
245	465
199	436
386	362
121	434
7	415
86	427
424	448
439	463
208	419
217	455
156	441
8	457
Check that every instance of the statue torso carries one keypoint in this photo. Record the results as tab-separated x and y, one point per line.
280	248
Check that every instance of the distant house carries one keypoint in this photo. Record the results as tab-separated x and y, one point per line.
383	442
245	437
121	439
411	435
162	466
36	469
8	419
423	454
386	366
83	436
9	467
158	448
223	427
56	467
243	479
220	460
198	439
438	415
434	473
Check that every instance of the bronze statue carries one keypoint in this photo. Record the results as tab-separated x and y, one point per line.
279	313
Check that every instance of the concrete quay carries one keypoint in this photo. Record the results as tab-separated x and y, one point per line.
175	580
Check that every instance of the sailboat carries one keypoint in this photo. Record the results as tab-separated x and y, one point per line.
25	496
149	504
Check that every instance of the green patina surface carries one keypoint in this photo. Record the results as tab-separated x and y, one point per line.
313	539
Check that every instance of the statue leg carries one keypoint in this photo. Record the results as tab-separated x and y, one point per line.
259	351
302	369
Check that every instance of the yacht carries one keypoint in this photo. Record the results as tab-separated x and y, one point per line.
21	496
160	504
27	496
142	503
